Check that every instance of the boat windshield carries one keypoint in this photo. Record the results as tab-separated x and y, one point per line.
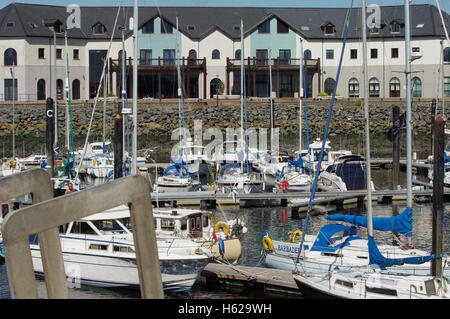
316	153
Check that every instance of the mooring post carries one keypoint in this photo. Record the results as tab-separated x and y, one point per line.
50	133
118	146
432	117
438	194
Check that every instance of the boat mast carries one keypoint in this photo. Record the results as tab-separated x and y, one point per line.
135	88
442	50
408	106
271	98
180	92
242	92
300	99
366	115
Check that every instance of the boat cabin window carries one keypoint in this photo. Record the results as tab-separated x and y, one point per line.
82	228
331	169
331	254
199	222
344	283
167	224
98	247
192	223
107	226
317	155
382	291
205	221
123	249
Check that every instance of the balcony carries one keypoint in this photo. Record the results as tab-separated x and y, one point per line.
161	64
278	63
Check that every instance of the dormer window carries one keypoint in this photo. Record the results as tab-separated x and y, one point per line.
191	27
374	30
328	28
9	24
237	28
99	29
395	27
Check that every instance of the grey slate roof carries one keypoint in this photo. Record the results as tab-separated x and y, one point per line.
28	20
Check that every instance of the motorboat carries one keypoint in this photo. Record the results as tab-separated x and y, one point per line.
12	167
33	160
177	178
100	251
311	159
237	178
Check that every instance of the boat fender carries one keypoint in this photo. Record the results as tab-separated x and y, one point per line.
222	226
12	164
221	244
295	234
267	242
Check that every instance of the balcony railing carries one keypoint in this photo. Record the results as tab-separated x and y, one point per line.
276	63
162	62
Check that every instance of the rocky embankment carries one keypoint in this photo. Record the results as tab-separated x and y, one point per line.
160	119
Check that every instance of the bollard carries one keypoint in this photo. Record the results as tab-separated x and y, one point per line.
118	146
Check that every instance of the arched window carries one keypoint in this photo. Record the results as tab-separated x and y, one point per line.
10	57
417	87
59	89
353	87
41	90
329	86
394	87
307	54
374	87
215	54
192	56
237	54
76	89
447	54
214	86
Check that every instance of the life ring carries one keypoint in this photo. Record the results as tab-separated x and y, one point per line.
267	243
12	164
224	226
283	185
295	234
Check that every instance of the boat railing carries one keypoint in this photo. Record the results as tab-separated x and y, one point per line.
47	214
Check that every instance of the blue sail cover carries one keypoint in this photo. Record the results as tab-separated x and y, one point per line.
402	223
376	258
325	241
446	158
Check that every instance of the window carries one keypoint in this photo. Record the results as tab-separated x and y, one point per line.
374	30
447	86
9	24
329	86
11	90
282	27
205	221
353	54
215	54
166	27
149	27
264	27
10	57
374	87
307	54
285	56
237	28
76	89
145	57
41	89
447	55
394	53
99	29
191	27
353	88
262	57
41	53
59	89
76	54
167	224
59	54
417	87
192	56
328	28
394	87
374	53
169	56
344	283
330	54
395	27
382	291
237	54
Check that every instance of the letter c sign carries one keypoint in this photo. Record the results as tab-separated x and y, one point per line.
49	113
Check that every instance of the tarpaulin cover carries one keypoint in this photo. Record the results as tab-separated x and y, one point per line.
325	241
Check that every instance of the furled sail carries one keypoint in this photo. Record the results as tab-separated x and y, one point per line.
402	223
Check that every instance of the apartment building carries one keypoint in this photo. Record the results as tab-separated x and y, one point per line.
32	67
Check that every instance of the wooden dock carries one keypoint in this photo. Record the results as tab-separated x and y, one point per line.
267	279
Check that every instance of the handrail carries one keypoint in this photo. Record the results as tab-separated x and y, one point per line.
37	182
47	215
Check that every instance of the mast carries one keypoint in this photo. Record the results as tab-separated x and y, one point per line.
366	115
300	99
67	93
180	92
408	106
242	92
135	88
124	98
56	93
442	50
271	98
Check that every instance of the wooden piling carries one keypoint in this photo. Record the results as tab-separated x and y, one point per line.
50	133
396	149
118	146
438	193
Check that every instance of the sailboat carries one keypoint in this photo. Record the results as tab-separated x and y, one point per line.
337	245
240	177
376	282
